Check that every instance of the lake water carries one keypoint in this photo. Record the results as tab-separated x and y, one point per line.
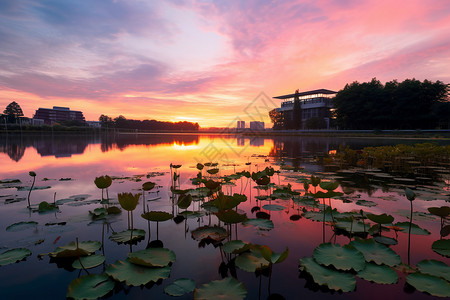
66	166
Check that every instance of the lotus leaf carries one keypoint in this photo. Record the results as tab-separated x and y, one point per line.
251	261
379	274
442	247
27	188
381	219
215	233
73	249
329	186
148	186
184	201
200	166
13	255
435	268
230	216
269	255
366	203
213	171
274	207
126	237
442	211
113	210
415	229
223	202
178	191
333	279
263	224
385	240
265	180
103	182
128	201
445	230
377	253
342	258
354	227
88	262
21	226
175	166
226	289
430	284
136	275
191	214
236	247
98	212
152	257
315	180
44	206
180	287
212	185
157	216
91	286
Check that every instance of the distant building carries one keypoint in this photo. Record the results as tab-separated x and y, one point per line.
95	124
256	126
316	103
58	114
240	124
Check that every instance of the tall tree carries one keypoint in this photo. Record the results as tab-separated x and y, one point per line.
297	112
13	111
277	119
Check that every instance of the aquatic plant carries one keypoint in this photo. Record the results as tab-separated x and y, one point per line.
103	182
32	174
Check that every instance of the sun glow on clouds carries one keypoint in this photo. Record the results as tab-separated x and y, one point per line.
205	61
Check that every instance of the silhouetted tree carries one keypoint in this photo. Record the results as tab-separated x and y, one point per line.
13	111
277	119
297	112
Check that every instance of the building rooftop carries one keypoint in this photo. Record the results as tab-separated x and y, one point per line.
313	92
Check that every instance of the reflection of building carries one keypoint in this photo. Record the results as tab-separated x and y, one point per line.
58	114
240	141
257	142
316	103
256	125
240	124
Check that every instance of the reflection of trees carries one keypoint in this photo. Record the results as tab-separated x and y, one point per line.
14	151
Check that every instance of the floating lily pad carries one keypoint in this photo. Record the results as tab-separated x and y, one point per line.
91	286
442	211
415	229
27	188
152	257
430	284
379	274
13	255
157	216
236	247
134	274
21	226
262	224
377	253
231	217
88	262
180	287
366	203
215	233
354	227
321	275
442	247
435	268
227	288
273	207
342	258
126	236
71	250
184	201
385	240
251	261
381	219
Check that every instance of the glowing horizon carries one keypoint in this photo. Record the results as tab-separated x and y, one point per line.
206	62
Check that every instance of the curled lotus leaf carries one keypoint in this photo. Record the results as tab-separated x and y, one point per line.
262	224
128	201
442	211
13	255
213	171
334	280
385	240
113	210
227	289
91	286
434	267
180	287
342	258
136	275
88	262
223	202
74	249
430	284
251	261
236	246
230	216
329	185
415	229
215	233
269	255
21	226
175	166
148	186
127	237
212	185
152	257
157	216
354	227
381	219
103	182
200	166
184	201
377	253
442	247
274	207
379	274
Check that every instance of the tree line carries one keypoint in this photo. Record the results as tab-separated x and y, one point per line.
124	123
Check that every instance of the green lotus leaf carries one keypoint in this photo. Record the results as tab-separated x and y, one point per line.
157	216
27	188
410	195
274	207
184	201
334	280
442	247
445	230
44	206
100	211
21	226
226	289
430	284
13	255
435	268
148	186
265	180
318	216
342	258
136	275
230	216
180	287
178	191
152	257
71	250
375	252
379	274
366	203
103	182
113	210
269	255
385	240
354	227
223	202
262	224
213	171
91	286
314	180
442	211
215	233
329	186
251	261
127	237
88	262
381	219
175	166
200	166
236	247
212	185
191	214
415	229
128	201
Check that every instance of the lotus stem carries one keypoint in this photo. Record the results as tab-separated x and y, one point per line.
29	193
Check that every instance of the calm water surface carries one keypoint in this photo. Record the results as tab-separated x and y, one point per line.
137	159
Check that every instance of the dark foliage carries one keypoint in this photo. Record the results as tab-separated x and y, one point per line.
124	123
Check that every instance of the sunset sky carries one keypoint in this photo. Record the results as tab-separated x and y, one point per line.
206	61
